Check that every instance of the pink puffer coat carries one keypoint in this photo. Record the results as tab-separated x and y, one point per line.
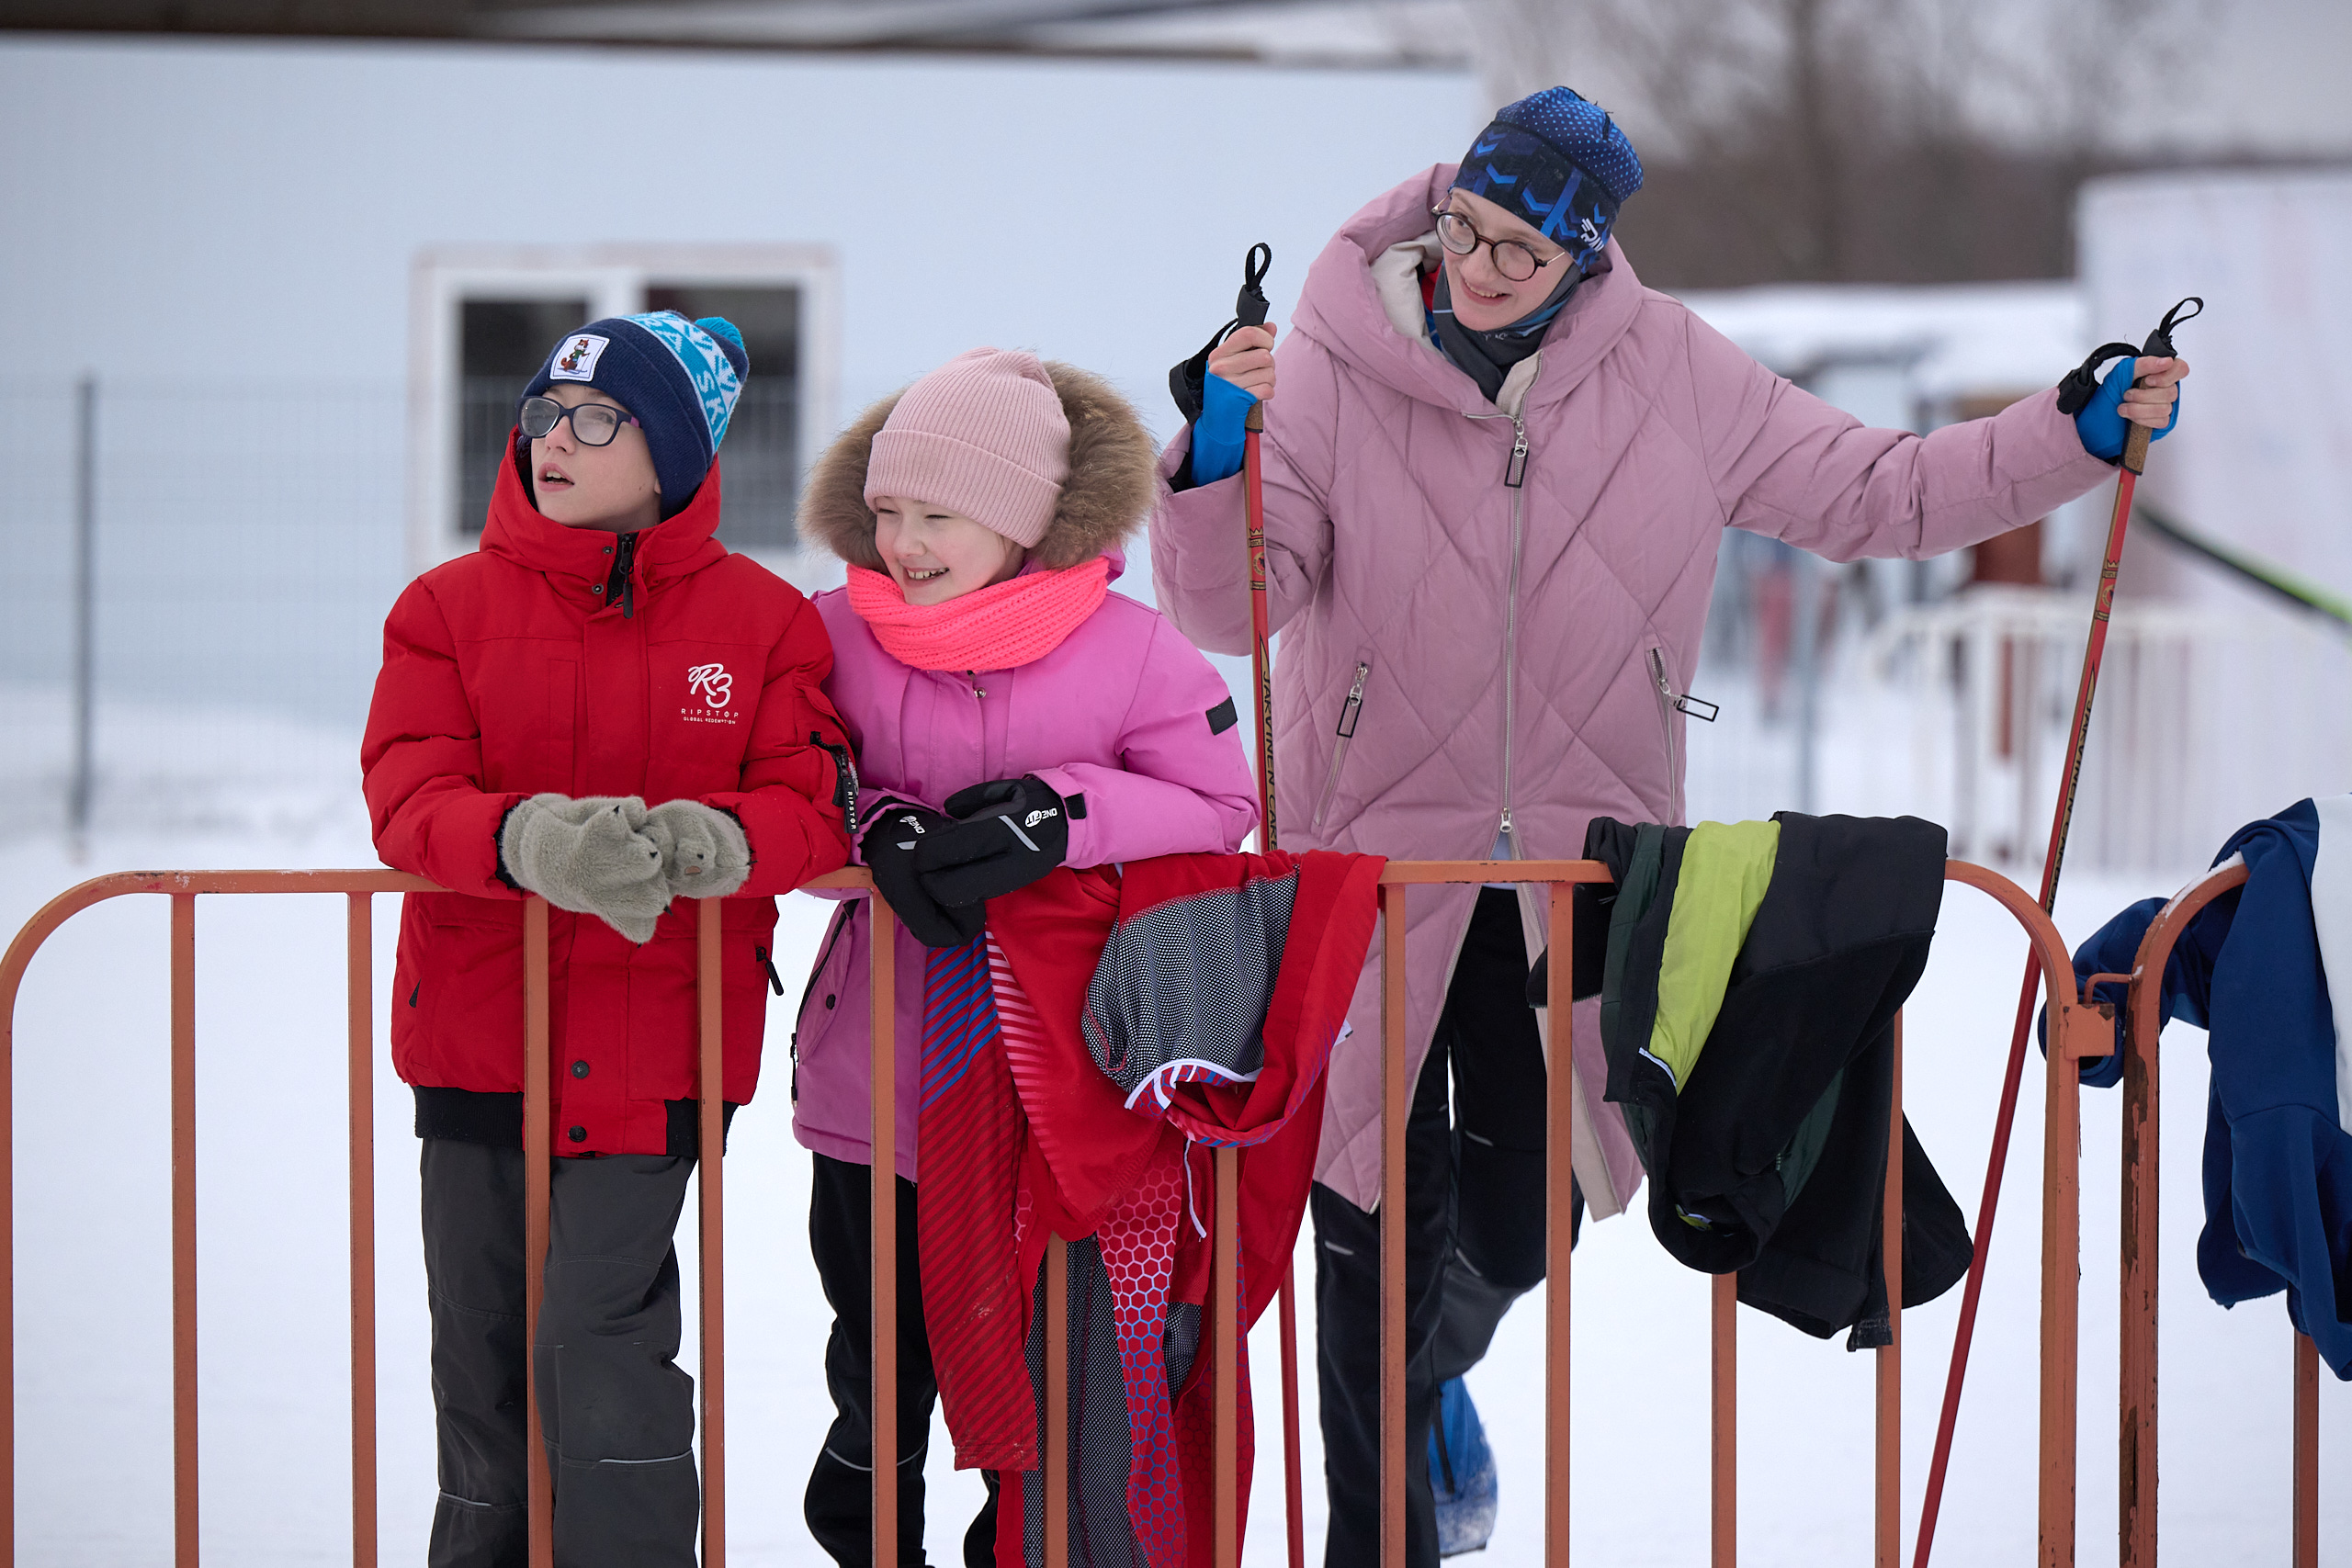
1485	618
1124	712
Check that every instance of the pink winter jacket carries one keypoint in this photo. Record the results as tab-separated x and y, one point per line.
1515	647
1125	713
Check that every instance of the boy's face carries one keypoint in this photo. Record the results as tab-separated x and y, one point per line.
611	488
934	554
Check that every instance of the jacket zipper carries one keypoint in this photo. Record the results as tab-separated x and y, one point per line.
760	956
1669	702
624	581
1350	711
1515	480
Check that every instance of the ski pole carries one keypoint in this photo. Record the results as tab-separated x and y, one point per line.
1185	384
1249	311
2074	392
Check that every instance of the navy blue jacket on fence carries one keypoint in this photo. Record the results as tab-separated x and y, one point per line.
2253	970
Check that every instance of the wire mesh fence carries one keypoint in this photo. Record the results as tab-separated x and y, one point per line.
244	544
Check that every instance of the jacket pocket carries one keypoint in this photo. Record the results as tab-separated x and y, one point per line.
1351	711
1669	702
826	979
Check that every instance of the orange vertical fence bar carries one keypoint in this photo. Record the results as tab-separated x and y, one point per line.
539	1516
1559	1220
1393	1452
359	1004
2061	1263
1057	1339
711	1081
1224	1310
184	1548
2306	1525
1888	1501
2136	1402
883	1194
1722	1426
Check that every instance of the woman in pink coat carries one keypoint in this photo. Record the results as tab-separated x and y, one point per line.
1010	715
1495	484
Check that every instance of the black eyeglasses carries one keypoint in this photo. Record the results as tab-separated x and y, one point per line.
592	424
1513	260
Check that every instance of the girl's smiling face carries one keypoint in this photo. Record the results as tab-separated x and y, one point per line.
935	555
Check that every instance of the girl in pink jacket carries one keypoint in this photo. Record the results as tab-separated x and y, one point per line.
1010	715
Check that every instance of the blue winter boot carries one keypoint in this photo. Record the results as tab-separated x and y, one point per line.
1461	1474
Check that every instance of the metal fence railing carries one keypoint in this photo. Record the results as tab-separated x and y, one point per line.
2077	1030
2136	1394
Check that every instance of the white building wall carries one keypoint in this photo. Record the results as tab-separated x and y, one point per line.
218	230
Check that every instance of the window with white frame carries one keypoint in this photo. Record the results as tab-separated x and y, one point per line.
482	320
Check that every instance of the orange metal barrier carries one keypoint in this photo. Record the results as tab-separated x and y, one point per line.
2136	1395
2077	1030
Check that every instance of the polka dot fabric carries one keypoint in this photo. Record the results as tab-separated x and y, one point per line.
1581	131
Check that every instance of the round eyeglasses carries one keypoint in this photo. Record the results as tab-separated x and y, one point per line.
1513	260
592	424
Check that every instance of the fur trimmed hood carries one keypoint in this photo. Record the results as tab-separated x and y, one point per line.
1108	494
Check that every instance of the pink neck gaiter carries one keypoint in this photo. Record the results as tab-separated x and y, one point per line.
1001	626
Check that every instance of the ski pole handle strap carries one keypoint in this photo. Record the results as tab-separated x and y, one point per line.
2075	390
1186	382
1249	306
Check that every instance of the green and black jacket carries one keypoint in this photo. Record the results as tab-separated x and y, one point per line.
1750	976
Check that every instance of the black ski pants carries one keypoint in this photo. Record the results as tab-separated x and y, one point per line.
1473	1236
616	1409
840	1504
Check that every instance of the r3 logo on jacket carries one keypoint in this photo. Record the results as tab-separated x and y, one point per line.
716	687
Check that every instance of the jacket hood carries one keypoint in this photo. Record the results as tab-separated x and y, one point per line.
1340	308
1109	491
579	558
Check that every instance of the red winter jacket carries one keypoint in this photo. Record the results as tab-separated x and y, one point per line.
506	672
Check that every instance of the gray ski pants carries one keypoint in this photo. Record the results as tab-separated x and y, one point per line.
616	1409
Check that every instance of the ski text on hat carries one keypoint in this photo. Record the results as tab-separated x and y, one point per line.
576	360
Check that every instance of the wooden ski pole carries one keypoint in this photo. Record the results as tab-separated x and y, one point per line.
2135	462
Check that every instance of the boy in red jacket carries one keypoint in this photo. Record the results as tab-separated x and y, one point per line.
600	652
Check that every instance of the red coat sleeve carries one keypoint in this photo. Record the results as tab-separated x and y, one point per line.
421	760
786	803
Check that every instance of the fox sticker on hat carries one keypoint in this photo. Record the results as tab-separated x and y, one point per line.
577	360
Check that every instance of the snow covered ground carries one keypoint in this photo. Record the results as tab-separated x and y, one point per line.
94	1283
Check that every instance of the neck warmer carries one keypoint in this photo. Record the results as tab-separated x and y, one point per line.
1001	626
1486	356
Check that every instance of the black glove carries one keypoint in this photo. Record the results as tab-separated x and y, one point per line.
1009	833
889	847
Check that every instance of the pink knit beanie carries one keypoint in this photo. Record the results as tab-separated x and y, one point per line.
984	436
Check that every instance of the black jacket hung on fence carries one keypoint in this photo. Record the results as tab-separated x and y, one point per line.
1751	1042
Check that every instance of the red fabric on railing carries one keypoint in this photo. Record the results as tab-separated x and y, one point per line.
1091	1166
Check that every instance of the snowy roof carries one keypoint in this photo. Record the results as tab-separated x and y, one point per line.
1956	340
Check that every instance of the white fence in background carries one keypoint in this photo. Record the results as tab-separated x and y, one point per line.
2204	719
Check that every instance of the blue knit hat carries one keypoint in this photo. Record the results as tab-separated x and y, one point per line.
1560	162
679	377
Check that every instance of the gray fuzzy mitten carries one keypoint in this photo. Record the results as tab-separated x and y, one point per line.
592	856
704	852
